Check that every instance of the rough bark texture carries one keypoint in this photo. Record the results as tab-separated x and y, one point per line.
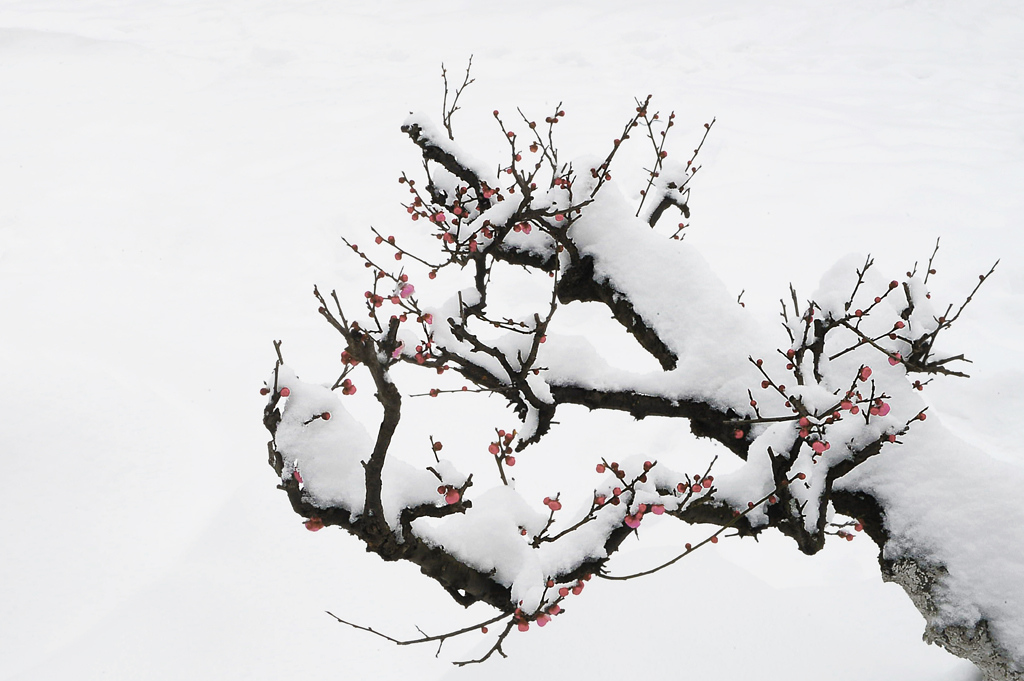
973	643
920	580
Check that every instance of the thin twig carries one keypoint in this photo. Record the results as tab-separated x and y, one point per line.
710	539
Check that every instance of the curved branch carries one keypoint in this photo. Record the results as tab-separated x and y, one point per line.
705	420
579	284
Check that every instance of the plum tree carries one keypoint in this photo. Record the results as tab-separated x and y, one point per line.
841	392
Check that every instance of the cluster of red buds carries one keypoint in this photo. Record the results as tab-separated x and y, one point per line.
698	485
632	520
576	589
553	504
502	448
554	119
544	615
620	473
423	352
451	494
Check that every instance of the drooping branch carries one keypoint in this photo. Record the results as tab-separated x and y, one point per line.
441	638
580	285
447	160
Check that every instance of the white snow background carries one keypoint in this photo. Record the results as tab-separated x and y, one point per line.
175	176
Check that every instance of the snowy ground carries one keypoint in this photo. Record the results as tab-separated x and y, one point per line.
174	177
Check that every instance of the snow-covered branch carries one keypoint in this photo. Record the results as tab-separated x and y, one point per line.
804	417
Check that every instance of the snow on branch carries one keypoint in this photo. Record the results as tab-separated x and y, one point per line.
840	392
